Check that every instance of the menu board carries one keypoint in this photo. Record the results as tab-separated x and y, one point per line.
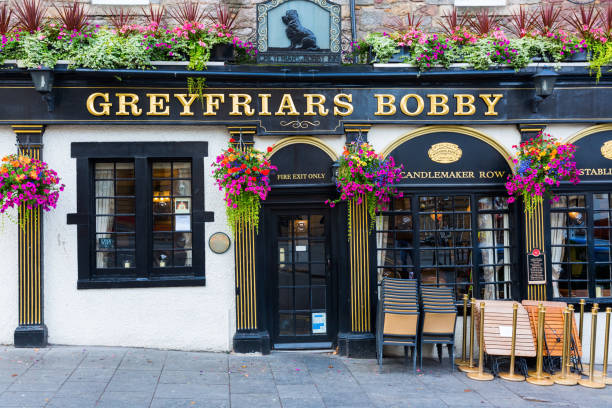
536	268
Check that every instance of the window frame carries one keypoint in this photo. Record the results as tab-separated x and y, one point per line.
588	190
476	263
143	155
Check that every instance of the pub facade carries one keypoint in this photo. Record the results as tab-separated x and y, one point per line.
139	252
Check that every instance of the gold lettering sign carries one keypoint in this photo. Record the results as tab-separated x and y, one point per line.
444	153
606	150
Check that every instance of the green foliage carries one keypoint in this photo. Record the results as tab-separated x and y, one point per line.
383	47
601	54
108	50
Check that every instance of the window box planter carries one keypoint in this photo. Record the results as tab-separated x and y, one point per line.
582	56
222	52
402	55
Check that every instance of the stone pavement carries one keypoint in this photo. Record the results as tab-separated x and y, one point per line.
81	377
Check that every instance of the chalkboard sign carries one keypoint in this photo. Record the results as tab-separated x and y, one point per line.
536	268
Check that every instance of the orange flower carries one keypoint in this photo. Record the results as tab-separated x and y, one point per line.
5	159
25	159
34	175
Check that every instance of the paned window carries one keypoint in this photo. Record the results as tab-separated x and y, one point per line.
115	203
141	216
447	240
172	214
580	245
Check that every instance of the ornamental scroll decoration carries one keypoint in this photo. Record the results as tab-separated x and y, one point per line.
444	153
606	150
263	23
300	124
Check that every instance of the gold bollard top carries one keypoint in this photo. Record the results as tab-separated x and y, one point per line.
482	304
571	307
608	309
515	306
595	308
582	301
465	296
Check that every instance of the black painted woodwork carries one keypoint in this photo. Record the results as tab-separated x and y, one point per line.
86	155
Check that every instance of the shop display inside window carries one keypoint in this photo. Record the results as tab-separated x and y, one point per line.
579	226
115	215
172	214
438	246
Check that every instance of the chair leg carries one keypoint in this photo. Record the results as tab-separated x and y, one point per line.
451	353
439	346
421	354
406	355
380	354
414	358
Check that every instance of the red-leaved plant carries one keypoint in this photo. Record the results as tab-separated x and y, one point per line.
584	20
548	18
521	22
30	14
410	22
74	17
605	19
484	22
6	20
450	22
154	15
120	17
225	17
188	11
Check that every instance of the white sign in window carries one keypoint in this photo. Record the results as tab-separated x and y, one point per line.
319	323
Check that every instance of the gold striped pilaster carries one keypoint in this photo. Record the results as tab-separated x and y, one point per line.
534	238
244	254
359	267
29	139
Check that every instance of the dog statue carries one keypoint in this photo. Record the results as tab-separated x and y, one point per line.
300	36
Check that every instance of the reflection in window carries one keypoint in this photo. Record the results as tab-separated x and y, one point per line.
440	234
495	248
568	242
172	214
115	215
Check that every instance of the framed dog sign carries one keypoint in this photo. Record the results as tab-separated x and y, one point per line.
298	32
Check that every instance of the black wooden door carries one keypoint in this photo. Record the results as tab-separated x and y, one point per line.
300	274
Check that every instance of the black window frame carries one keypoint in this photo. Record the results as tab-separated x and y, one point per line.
143	154
587	189
476	258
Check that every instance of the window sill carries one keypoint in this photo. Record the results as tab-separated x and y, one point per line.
116	283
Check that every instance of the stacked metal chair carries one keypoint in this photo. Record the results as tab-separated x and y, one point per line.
398	316
438	321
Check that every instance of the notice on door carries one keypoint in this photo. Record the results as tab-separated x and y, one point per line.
319	323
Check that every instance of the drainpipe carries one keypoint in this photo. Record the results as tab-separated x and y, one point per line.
353	22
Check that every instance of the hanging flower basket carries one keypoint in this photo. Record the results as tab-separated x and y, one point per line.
364	175
243	174
28	184
542	163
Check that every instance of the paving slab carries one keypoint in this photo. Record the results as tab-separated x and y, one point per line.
193	377
80	377
193	391
134	380
189	403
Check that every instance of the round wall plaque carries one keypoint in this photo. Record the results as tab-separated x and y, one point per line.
219	242
606	150
444	153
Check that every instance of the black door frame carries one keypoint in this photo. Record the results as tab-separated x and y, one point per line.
294	198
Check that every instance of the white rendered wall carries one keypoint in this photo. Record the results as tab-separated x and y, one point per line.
188	318
8	242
